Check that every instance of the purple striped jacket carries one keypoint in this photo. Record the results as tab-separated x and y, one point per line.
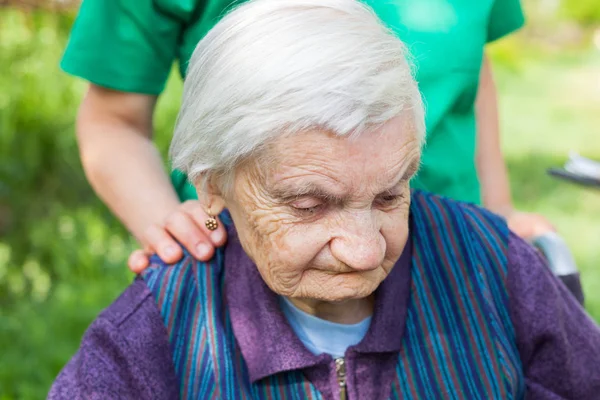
469	312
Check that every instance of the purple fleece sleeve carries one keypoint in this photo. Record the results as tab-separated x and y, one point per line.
558	342
123	355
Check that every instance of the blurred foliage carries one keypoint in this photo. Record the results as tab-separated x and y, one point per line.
62	253
57	240
586	12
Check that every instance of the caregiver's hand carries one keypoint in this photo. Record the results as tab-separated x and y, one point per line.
528	225
183	227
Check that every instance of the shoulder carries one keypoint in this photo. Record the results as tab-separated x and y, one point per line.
457	230
161	276
123	354
530	279
506	16
527	275
524	259
559	344
131	323
184	281
135	300
438	211
159	270
129	46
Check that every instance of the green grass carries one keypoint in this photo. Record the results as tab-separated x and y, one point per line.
62	255
549	107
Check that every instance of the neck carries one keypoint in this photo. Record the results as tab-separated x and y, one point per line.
342	312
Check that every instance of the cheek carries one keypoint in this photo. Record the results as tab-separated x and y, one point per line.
395	240
394	230
282	251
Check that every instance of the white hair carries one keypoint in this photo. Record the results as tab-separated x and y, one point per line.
273	67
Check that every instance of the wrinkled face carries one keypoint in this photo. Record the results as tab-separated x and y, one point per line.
328	218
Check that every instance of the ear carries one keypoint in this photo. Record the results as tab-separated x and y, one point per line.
209	194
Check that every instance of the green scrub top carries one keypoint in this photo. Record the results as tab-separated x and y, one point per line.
130	45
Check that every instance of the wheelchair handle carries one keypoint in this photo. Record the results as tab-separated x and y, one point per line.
560	261
557	253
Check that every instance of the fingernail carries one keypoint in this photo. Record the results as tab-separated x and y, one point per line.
140	262
216	236
203	250
170	251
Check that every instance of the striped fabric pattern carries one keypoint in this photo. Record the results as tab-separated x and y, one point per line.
208	363
206	360
459	342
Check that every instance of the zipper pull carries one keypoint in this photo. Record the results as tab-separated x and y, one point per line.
340	370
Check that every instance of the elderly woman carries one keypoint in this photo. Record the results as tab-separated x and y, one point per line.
302	126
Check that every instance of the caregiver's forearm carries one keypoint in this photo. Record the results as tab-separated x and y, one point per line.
114	132
491	168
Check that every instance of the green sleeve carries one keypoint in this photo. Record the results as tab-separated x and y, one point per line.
126	45
506	17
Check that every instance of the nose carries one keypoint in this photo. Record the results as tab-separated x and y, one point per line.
359	244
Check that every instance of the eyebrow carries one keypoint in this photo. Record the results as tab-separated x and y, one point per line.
306	190
408	174
412	169
310	189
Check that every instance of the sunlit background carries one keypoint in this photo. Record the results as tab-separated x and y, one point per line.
62	254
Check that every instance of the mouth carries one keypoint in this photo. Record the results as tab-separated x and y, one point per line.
343	269
345	273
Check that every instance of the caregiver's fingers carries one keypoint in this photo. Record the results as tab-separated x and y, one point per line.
138	261
183	228
158	239
186	227
194	208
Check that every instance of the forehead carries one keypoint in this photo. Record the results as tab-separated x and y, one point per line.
375	157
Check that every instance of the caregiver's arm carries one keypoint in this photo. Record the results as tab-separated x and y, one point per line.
558	342
491	168
114	132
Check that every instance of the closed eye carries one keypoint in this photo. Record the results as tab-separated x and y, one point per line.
310	211
388	200
308	206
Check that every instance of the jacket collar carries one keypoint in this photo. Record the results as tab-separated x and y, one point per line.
267	342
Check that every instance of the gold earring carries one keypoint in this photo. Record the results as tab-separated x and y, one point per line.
211	222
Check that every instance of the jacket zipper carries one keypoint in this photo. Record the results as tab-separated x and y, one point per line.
340	370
